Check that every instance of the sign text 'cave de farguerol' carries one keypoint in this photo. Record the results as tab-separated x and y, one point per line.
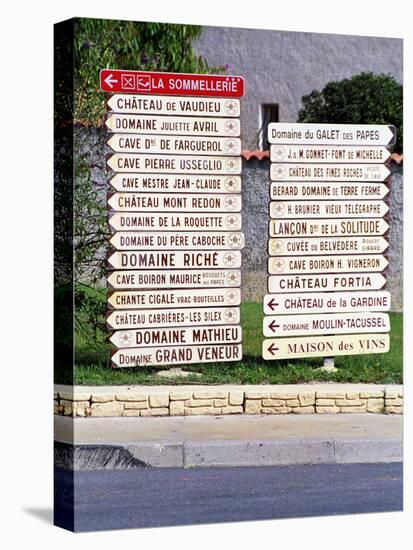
175	217
328	208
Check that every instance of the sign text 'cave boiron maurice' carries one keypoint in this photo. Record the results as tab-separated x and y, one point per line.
327	240
175	217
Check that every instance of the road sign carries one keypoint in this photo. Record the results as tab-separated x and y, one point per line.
179	259
325	346
329	172
328	209
317	246
327	283
327	228
167	240
175	355
331	134
182	202
170	105
183	145
225	334
324	191
170	183
181	84
158	299
148	318
334	323
328	153
175	222
183	125
178	164
184	278
324	302
354	263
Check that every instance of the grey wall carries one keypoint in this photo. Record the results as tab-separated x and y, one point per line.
280	67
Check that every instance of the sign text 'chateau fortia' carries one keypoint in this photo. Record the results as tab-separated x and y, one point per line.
175	216
328	245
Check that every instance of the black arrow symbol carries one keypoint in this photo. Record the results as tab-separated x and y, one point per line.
272	326
272	304
272	349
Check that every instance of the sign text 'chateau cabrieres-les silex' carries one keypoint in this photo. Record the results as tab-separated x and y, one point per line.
175	217
327	240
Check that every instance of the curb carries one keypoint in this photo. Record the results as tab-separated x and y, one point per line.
195	454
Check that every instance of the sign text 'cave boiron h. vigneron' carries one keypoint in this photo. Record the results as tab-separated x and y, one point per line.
328	245
175	217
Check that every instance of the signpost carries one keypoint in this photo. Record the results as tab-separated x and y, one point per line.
327	239
175	217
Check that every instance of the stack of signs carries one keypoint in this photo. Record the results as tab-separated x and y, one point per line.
175	217
327	241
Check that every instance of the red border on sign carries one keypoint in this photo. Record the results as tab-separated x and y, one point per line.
179	84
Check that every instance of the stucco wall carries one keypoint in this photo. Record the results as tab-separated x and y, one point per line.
280	67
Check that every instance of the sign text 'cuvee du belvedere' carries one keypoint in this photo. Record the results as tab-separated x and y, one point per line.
175	217
328	245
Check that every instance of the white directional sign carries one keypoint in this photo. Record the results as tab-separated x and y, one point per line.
327	264
331	134
177	164
174	216
175	222
179	259
158	299
177	355
226	334
328	209
325	346
327	228
144	124
170	105
204	278
324	191
191	145
329	172
167	240
166	202
327	283
340	323
324	302
169	183
330	245
148	318
328	153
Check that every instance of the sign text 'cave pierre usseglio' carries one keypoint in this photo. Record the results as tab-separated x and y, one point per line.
329	188
175	217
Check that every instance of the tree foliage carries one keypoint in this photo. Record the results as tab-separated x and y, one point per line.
101	44
366	98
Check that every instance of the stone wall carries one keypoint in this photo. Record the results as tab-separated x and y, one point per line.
255	201
229	399
255	197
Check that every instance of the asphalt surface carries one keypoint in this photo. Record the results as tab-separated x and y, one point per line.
152	497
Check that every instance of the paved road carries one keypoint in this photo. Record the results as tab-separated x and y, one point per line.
151	497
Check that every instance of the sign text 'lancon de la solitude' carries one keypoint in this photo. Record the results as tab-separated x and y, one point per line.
328	245
175	217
